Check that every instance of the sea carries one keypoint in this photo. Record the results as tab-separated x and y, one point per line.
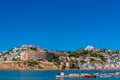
50	74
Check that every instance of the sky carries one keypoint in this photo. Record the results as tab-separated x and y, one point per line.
60	24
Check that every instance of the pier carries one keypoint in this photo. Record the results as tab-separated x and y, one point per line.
88	75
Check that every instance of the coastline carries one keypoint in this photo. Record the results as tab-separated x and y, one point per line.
52	69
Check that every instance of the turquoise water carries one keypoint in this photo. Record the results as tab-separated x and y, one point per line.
47	75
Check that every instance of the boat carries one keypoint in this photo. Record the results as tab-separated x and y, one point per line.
90	76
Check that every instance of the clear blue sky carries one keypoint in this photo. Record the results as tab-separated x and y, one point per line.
60	24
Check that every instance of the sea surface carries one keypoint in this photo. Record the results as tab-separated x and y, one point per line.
48	74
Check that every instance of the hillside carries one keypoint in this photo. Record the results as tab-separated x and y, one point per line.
87	58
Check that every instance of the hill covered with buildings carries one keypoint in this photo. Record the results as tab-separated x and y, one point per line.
34	57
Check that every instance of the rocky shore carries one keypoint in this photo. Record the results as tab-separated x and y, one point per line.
19	65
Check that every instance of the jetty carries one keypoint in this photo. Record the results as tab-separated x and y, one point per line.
86	75
74	75
78	76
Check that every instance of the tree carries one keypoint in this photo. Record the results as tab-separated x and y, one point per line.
82	61
92	60
94	55
102	58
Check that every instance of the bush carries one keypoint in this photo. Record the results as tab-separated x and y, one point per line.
32	63
49	59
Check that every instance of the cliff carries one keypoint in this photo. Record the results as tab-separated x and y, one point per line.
27	65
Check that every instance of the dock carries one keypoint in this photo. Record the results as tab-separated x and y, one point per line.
77	76
85	75
59	76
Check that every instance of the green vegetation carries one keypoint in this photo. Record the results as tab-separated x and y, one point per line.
16	59
73	54
94	55
39	67
82	61
49	59
98	55
32	63
92	60
57	63
78	53
33	48
74	61
102	58
74	66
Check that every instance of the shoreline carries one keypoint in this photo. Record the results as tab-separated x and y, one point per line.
52	69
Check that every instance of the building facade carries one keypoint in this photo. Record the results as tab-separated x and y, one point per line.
35	55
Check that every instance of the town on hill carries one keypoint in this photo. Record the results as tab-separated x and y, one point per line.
27	57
